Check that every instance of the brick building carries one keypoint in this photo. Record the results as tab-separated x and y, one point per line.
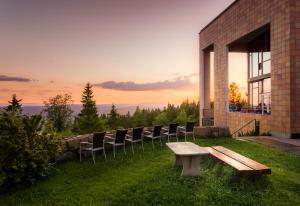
258	41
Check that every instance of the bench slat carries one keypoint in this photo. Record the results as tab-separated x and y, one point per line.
228	160
244	160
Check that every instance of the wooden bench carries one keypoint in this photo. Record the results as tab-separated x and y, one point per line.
239	162
188	155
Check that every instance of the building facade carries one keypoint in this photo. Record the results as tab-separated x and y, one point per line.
250	67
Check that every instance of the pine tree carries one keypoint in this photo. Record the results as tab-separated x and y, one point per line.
88	120
88	104
113	117
14	105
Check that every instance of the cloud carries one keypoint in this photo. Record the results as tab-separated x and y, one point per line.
14	79
180	83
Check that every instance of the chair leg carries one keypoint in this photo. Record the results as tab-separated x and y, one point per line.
132	148
114	150
184	136
152	144
93	155
176	137
142	145
194	136
124	148
168	138
104	153
160	141
80	153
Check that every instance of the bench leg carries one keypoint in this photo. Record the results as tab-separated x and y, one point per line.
191	165
178	161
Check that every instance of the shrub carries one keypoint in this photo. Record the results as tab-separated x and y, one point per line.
25	151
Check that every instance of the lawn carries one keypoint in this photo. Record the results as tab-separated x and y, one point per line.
150	178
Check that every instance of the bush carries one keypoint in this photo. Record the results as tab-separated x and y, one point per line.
25	151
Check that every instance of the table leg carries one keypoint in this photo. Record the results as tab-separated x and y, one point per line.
178	161
191	165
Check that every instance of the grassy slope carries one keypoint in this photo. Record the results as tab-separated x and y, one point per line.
150	178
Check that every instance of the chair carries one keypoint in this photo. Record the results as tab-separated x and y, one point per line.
155	134
117	140
96	145
188	129
172	131
137	136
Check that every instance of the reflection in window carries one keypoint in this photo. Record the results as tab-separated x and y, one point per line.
254	90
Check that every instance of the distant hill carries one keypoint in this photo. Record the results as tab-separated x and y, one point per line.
102	108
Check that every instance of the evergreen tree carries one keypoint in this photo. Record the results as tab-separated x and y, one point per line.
14	105
161	119
87	120
182	118
88	104
113	117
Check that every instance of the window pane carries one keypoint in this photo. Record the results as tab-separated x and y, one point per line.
260	57
267	85
267	67
266	56
254	64
255	94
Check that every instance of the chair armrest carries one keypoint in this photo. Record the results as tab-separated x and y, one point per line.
86	143
147	132
109	139
181	127
128	136
165	129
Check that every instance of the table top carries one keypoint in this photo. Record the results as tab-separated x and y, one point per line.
187	148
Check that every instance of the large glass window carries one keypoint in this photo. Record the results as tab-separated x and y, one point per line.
253	93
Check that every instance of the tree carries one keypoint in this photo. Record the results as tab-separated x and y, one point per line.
113	117
14	105
171	112
182	117
88	120
161	119
59	112
234	93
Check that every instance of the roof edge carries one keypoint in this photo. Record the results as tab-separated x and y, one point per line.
212	21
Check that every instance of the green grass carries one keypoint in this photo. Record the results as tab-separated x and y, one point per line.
150	178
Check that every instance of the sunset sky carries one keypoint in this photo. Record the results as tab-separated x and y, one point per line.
132	51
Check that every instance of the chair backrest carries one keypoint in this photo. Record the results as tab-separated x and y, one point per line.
98	138
156	130
173	128
137	133
190	126
120	135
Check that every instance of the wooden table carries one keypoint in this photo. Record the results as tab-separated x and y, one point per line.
189	156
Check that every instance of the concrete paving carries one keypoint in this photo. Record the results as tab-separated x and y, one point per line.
288	145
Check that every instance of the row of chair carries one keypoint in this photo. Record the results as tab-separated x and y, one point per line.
136	135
